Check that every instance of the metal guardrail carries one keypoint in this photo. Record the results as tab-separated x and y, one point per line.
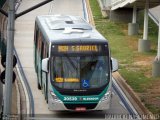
25	81
31	111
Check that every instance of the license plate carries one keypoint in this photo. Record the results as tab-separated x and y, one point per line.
80	109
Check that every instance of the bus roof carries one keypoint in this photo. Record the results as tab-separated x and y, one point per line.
63	28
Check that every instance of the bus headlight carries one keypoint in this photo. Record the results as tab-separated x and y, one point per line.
54	96
106	96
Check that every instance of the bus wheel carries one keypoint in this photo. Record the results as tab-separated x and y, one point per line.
44	91
38	85
46	95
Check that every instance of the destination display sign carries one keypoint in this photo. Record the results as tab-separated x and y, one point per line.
78	48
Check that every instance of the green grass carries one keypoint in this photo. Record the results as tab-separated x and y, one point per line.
136	79
153	108
124	48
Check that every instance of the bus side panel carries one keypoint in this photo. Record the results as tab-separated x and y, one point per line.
36	53
35	46
44	74
38	57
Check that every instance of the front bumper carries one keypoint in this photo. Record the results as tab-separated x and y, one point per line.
57	105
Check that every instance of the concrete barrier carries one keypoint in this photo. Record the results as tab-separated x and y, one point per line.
144	45
133	28
131	95
156	68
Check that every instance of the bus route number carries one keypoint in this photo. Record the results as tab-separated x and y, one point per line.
70	98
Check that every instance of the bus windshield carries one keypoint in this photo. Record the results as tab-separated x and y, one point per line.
80	72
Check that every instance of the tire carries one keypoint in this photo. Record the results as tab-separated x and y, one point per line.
46	95
46	98
38	85
38	82
44	91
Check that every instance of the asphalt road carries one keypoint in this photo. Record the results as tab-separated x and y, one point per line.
24	33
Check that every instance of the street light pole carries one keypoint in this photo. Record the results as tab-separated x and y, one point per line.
9	58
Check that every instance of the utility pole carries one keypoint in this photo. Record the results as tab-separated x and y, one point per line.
9	59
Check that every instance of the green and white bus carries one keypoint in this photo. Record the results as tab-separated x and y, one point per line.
73	64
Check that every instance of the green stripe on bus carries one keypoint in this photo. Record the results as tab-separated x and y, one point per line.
80	99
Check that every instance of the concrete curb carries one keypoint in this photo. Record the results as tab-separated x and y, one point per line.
131	95
18	97
90	15
22	96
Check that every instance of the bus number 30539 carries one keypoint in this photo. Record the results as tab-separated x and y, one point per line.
70	99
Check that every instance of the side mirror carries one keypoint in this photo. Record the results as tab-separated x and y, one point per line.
114	64
45	65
